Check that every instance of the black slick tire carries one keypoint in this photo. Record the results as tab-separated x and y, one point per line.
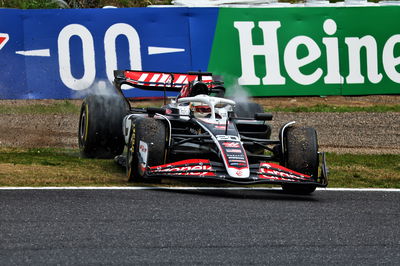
100	126
301	155
248	109
152	132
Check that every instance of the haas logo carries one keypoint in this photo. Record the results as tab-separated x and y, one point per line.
231	144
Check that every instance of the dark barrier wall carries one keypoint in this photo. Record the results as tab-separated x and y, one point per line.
63	54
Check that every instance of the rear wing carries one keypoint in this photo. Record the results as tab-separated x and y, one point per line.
160	81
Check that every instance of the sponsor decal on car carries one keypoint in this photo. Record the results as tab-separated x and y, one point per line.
143	150
220	127
231	144
163	79
227	138
238	164
234	150
239	172
278	172
236	156
238	161
185	168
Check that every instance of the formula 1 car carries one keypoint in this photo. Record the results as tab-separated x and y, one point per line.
198	135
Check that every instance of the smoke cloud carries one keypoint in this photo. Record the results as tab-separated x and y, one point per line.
99	87
239	94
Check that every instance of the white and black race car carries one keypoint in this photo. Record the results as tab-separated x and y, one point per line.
198	135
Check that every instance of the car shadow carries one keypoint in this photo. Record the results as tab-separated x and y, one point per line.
243	193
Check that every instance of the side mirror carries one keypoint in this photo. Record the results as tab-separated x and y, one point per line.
263	116
231	115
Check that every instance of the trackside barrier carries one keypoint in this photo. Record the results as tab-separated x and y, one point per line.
339	50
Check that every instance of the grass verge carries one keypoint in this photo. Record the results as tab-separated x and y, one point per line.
55	167
64	167
359	171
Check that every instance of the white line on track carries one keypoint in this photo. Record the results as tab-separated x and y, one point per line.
195	188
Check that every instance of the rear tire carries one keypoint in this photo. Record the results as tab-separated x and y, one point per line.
100	126
248	109
301	155
153	133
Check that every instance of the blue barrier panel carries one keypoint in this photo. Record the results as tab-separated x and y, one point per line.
12	75
61	54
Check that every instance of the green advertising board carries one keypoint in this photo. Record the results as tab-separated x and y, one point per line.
309	51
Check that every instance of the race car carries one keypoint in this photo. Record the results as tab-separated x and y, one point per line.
198	135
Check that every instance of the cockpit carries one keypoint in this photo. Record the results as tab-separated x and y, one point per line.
204	106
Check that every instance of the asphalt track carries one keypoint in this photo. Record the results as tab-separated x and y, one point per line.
186	227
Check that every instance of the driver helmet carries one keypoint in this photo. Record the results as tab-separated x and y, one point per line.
200	109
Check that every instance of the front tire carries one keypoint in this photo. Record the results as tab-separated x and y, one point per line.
149	132
301	155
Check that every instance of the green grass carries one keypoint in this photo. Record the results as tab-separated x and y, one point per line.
67	107
64	167
56	167
29	4
338	109
61	107
349	170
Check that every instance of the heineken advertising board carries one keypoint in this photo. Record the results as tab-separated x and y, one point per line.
62	54
309	51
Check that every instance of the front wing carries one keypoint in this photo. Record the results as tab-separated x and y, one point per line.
264	172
